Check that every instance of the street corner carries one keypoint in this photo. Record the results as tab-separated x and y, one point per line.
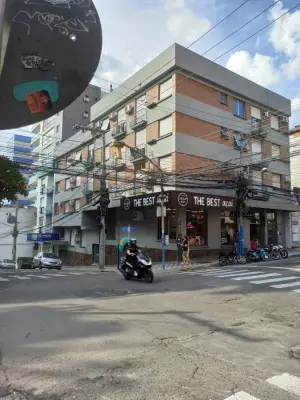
200	266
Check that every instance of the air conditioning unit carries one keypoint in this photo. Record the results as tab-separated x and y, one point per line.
129	109
138	216
113	116
266	115
284	119
224	133
72	203
73	179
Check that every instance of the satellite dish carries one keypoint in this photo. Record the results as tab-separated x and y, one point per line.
49	52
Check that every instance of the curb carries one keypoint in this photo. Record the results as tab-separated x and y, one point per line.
203	266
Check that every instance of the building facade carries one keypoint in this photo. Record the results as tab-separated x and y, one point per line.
190	127
47	136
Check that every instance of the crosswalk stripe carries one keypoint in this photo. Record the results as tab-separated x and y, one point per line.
55	275
75	273
39	276
3	280
242	396
255	277
281	279
19	277
241	274
225	271
286	382
284	285
231	272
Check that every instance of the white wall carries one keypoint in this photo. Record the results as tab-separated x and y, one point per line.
26	224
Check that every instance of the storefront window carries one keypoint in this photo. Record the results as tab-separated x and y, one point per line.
170	225
228	227
196	227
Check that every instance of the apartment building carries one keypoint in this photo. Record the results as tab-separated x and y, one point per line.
20	151
198	122
47	136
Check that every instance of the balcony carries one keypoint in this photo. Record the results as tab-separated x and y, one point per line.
88	188
139	154
119	131
258	129
139	120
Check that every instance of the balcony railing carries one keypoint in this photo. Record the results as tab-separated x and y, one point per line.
119	131
139	120
140	153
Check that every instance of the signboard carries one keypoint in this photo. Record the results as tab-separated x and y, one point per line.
140	202
42	237
128	229
196	200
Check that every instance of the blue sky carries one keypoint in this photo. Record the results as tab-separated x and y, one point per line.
135	31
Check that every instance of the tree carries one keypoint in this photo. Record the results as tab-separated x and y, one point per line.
11	180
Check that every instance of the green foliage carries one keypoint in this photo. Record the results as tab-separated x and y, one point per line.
11	180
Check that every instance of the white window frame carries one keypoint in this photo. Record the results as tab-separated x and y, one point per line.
105	125
78	180
166	89
91	149
68	183
275	150
274	122
169	158
140	137
67	207
165	125
276	183
78	156
121	115
257	155
255	113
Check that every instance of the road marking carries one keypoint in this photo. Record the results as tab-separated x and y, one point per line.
19	277
55	275
283	278
284	285
242	396
230	272
3	279
242	274
76	273
286	382
255	277
217	271
39	276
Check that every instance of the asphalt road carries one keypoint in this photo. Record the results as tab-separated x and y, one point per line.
208	335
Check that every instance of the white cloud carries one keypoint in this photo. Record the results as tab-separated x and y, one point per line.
259	68
295	118
285	38
135	33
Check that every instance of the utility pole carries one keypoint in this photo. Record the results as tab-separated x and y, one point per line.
104	194
15	234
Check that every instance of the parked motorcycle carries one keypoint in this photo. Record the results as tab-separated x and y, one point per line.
274	251
283	252
260	255
142	261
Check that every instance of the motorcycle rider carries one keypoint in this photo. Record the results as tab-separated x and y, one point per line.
132	251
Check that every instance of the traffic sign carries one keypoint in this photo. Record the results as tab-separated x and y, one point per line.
129	229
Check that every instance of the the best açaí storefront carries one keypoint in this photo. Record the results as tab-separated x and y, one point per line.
209	221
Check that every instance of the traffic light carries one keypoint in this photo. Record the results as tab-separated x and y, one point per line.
49	52
118	146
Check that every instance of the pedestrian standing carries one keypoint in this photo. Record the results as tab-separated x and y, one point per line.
185	250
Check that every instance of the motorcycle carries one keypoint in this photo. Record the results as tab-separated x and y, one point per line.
283	252
145	268
274	251
260	255
232	258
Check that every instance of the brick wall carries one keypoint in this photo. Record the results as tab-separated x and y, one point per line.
284	153
184	162
152	94
152	131
266	148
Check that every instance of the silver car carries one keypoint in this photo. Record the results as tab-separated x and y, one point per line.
47	260
7	264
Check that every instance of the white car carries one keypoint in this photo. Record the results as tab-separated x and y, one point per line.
7	264
47	260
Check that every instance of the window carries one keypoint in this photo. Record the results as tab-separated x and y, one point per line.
255	113
256	151
170	225
140	138
105	125
140	166
165	163
228	226
69	161
196	227
85	114
67	207
77	204
223	98
56	208
78	180
274	122
91	151
121	115
106	153
68	183
58	128
86	98
275	150
239	108
165	89
165	126
140	107
276	181
57	187
78	156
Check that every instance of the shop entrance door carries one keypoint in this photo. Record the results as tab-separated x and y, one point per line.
272	228
95	251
